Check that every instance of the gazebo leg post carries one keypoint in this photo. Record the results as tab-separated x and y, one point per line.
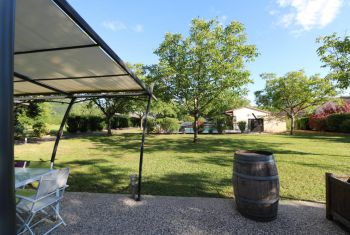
7	182
142	144
60	132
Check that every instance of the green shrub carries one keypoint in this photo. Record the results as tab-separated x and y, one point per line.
135	122
345	126
120	122
317	123
151	125
124	122
83	124
334	121
169	125
72	124
40	129
95	123
201	122
302	124
221	123
19	131
242	125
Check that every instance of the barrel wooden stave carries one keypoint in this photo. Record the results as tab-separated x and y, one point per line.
256	185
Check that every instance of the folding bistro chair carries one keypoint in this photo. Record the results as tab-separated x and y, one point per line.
48	196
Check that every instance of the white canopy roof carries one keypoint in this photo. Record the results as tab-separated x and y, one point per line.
58	53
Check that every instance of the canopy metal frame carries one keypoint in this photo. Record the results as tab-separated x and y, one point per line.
7	195
7	98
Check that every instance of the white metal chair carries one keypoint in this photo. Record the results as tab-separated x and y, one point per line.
48	196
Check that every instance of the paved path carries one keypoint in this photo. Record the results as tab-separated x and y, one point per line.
89	213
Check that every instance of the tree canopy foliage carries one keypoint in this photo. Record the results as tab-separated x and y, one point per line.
335	54
195	70
293	93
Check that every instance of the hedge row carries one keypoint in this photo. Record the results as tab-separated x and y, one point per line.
302	124
337	122
77	123
124	121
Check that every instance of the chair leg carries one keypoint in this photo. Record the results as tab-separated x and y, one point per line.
56	210
26	226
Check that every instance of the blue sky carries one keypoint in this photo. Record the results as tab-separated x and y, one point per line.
284	31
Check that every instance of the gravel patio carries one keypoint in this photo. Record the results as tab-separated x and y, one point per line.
91	213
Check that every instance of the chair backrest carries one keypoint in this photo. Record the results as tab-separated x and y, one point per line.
52	182
21	164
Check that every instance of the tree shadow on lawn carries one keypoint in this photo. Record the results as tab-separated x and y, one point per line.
185	184
323	167
217	151
96	176
340	138
185	145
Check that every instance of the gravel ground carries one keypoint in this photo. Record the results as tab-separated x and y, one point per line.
90	213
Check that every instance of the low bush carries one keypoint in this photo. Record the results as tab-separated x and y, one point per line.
135	122
317	123
124	122
345	126
335	121
200	124
169	125
72	124
151	125
221	123
83	124
121	122
242	125
19	131
96	123
302	123
40	129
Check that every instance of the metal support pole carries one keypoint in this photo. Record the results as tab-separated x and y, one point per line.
233	121
143	142
7	182
60	132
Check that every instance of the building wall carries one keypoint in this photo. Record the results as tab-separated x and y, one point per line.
243	114
274	124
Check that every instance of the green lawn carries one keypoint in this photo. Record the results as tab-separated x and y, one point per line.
173	165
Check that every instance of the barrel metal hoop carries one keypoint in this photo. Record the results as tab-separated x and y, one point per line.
253	158
254	162
271	201
259	178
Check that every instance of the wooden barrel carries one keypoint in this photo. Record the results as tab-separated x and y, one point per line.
256	184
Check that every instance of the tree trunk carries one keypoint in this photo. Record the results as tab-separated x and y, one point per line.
292	127
195	128
109	126
141	123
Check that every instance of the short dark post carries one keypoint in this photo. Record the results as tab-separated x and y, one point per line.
7	195
60	132
328	196
143	142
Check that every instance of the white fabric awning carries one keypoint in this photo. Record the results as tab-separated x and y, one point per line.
58	53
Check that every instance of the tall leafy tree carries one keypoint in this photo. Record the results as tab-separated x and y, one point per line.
109	107
196	69
293	93
335	54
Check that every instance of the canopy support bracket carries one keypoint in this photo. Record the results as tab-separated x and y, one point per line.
150	95
60	132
